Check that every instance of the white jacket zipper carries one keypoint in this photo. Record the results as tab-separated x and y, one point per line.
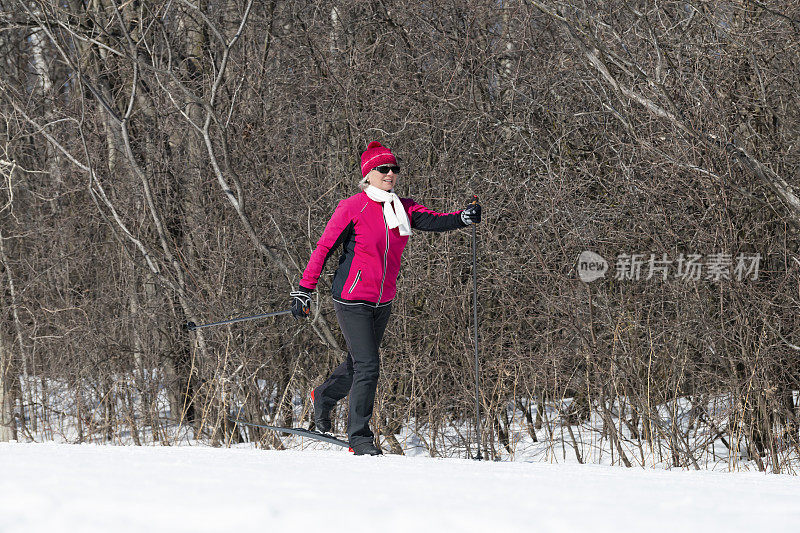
385	257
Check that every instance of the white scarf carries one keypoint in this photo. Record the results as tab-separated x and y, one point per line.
393	211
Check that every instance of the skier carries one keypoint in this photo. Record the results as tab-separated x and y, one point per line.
373	227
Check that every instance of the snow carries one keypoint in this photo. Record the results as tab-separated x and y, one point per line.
61	487
680	437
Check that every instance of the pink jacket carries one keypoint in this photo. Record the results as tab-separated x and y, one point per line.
370	260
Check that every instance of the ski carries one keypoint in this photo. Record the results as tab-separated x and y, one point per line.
315	435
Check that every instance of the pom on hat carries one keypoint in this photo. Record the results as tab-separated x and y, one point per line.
376	155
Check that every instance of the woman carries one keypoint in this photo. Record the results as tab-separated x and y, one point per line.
373	227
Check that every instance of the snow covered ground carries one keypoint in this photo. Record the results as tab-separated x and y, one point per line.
61	487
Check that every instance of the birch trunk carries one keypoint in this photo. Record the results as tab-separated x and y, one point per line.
8	429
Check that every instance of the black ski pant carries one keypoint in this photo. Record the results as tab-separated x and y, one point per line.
363	327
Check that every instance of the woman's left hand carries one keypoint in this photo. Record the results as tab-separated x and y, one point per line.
471	214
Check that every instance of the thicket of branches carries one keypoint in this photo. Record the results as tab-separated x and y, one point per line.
165	161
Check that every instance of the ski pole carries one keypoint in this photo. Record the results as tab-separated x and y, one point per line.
191	326
475	333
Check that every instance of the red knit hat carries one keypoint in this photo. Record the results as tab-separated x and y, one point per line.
376	155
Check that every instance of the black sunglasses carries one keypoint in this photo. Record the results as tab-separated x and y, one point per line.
384	169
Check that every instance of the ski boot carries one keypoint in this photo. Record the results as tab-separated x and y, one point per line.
322	420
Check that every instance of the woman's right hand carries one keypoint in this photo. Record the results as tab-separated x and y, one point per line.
301	302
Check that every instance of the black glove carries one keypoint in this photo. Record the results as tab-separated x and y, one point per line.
472	213
301	302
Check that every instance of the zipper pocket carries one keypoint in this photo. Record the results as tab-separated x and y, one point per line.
353	286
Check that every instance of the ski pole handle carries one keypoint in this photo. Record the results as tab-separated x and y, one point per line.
472	213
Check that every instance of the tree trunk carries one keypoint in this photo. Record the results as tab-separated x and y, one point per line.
8	429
